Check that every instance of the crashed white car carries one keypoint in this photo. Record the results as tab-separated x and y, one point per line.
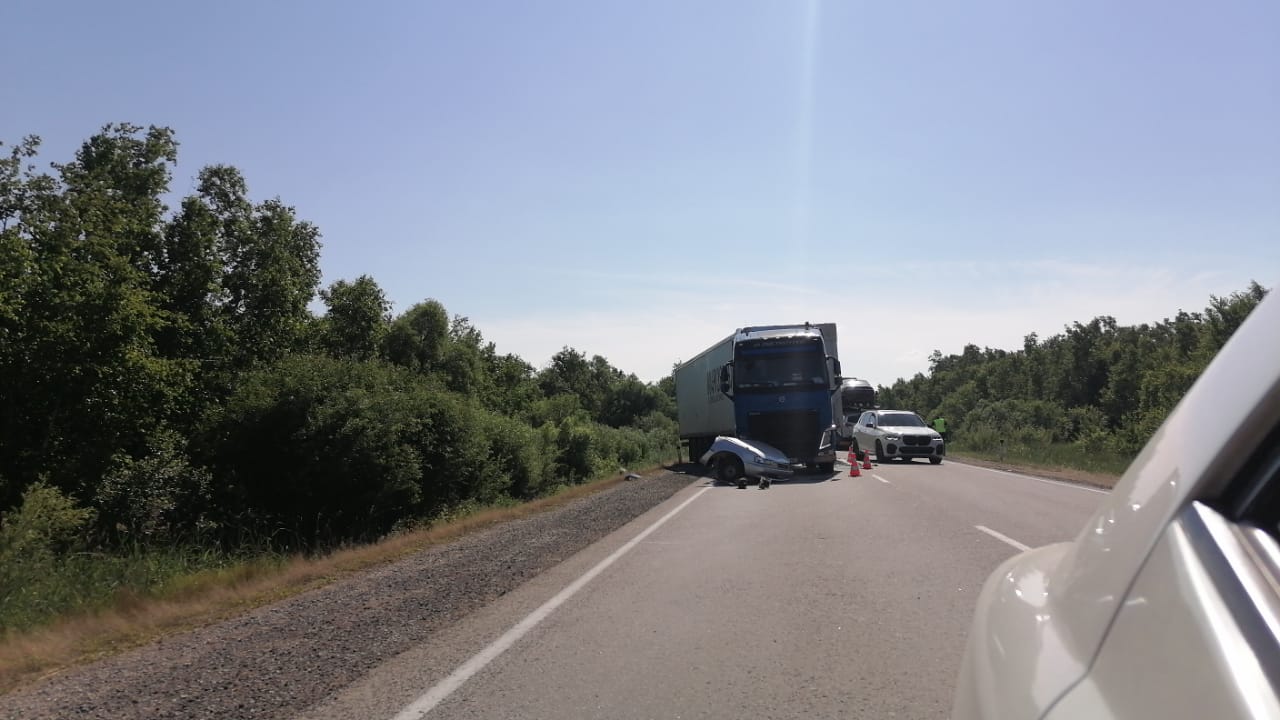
732	460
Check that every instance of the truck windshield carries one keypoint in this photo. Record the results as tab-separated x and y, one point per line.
780	368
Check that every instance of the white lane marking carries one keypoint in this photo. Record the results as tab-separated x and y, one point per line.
1002	537
886	482
1076	486
443	689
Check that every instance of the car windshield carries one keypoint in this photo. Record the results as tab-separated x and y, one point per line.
781	369
901	420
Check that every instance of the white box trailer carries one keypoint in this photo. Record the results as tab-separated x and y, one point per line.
703	410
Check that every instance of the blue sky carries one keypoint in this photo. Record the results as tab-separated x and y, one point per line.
637	179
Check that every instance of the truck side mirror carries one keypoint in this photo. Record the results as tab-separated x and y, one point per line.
726	386
833	365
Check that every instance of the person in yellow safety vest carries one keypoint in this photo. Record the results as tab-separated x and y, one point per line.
940	424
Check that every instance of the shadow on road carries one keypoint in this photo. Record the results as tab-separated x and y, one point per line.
802	478
799	479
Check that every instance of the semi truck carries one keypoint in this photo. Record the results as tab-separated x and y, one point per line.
855	397
774	384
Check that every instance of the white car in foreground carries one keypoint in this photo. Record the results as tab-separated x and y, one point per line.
1167	605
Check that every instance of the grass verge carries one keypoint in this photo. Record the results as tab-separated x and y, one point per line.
1061	462
198	598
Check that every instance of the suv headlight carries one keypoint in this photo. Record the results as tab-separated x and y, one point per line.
893	438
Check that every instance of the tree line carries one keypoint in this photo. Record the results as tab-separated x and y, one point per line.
163	380
1098	385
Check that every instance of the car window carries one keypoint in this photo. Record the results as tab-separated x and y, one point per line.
1254	497
1243	554
901	420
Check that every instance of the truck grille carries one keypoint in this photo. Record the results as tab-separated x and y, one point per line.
794	432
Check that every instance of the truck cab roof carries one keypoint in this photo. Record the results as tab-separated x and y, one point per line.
772	332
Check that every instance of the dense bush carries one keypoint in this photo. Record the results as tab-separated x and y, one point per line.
318	448
315	449
35	538
158	498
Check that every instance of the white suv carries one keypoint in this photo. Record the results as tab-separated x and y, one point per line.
897	434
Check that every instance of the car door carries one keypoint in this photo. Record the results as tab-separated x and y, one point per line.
871	429
859	430
1198	634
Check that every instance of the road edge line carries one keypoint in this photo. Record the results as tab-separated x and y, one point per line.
446	687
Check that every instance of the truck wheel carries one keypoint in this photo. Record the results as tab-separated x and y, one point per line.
729	470
935	460
880	456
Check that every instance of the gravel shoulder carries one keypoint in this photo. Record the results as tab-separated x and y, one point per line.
276	661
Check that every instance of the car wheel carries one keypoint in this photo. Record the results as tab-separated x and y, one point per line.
729	470
880	456
935	460
827	467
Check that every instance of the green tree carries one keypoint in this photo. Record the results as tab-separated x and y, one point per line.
79	373
417	338
358	317
514	387
465	361
188	271
591	381
272	275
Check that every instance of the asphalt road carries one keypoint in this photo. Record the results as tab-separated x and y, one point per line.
820	597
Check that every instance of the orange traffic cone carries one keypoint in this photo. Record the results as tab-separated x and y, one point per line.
852	459
866	460
853	466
